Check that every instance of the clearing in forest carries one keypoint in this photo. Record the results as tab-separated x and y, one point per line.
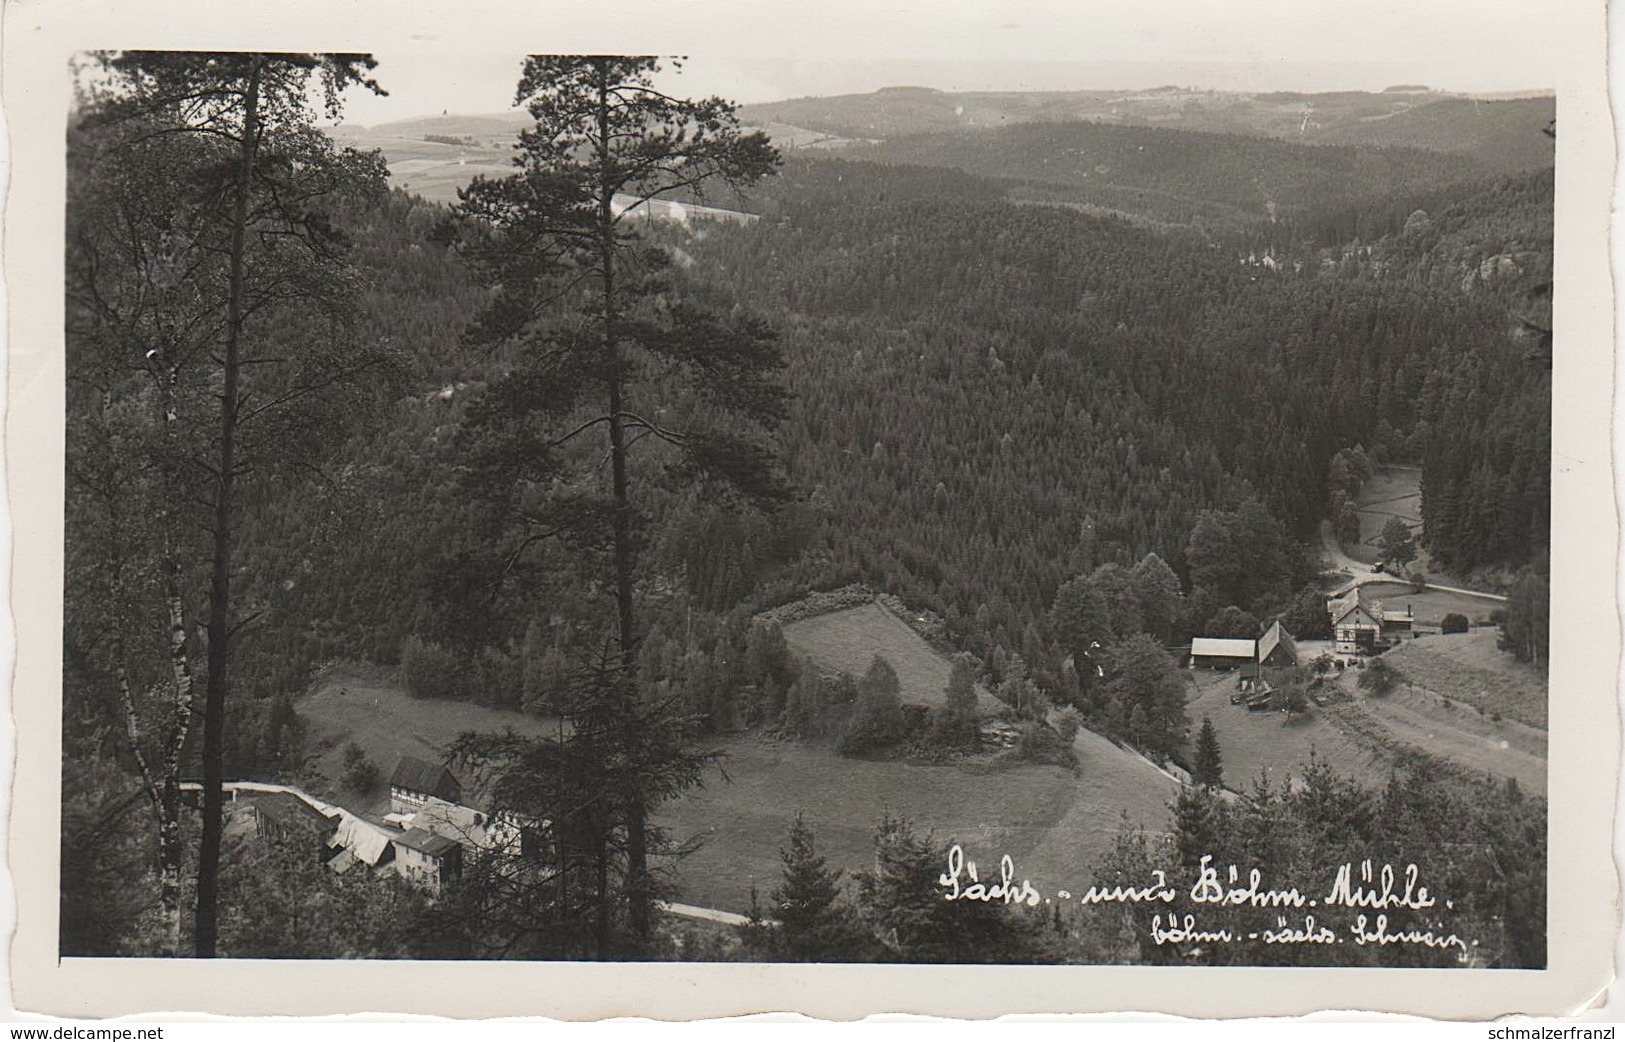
847	641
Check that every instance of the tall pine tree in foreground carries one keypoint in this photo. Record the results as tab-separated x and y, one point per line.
607	355
208	306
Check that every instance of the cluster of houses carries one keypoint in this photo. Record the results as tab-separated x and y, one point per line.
1359	627
423	839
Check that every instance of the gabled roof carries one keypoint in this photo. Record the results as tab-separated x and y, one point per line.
1274	638
1341	608
427	842
368	842
452	820
285	808
420	776
1222	647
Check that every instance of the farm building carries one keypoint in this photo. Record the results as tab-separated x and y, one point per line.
286	818
415	782
1276	647
1221	652
1396	625
1356	626
359	841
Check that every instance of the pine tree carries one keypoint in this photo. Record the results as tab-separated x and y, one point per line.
901	903
1209	767
235	222
812	924
605	144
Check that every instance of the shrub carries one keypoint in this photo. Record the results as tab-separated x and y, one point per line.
877	716
1454	623
360	773
498	679
1067	723
1380	678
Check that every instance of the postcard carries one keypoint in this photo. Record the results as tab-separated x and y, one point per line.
1009	508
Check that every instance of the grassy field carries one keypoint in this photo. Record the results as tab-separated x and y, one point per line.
389	724
847	641
1452	730
1266	743
1468	667
1431	606
1391	492
1054	824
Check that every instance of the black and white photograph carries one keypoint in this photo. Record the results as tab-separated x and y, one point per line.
690	506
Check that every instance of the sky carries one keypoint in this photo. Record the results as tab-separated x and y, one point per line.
752	52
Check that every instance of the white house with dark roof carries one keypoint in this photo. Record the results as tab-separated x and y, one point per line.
415	782
1356	626
426	859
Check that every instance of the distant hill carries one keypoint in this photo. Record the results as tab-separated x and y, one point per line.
1173	176
900	111
502	126
1505	136
1058	140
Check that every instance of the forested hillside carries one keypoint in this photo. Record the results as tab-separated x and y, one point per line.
1216	181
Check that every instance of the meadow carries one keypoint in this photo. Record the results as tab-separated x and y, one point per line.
848	640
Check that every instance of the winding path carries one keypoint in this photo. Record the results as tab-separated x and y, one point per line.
1364	576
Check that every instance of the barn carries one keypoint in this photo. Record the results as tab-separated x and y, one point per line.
1276	647
1221	652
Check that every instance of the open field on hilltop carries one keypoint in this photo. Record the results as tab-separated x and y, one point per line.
1468	667
848	640
388	723
1054	824
1391	492
1266	743
1431	606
